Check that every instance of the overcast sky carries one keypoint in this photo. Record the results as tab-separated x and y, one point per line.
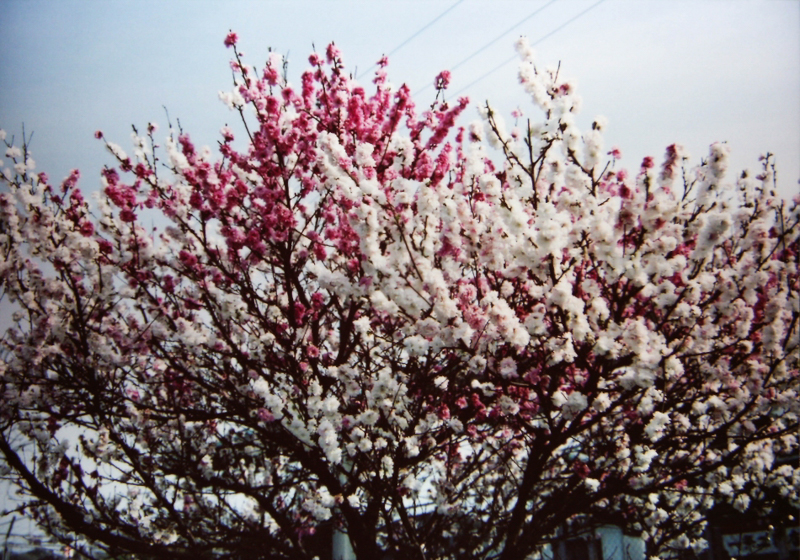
692	72
662	71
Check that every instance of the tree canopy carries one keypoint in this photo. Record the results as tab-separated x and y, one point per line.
447	342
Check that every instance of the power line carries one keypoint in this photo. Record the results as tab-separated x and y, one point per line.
503	34
539	40
493	41
414	36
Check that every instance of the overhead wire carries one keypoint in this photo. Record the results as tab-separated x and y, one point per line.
539	40
493	41
413	36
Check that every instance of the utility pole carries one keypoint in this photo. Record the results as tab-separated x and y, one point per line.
342	549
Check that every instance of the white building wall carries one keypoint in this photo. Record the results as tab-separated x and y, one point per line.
618	546
612	541
633	547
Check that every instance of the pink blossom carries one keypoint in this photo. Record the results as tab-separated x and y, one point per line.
442	80
188	259
86	228
230	39
332	53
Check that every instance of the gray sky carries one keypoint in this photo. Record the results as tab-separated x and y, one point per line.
662	71
691	72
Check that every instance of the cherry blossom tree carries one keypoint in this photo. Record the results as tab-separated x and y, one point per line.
442	342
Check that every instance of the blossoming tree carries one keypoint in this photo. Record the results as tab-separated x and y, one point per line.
442	342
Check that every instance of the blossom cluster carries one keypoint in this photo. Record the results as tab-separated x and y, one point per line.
462	339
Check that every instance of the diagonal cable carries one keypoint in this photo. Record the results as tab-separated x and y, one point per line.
414	36
539	40
503	34
493	41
